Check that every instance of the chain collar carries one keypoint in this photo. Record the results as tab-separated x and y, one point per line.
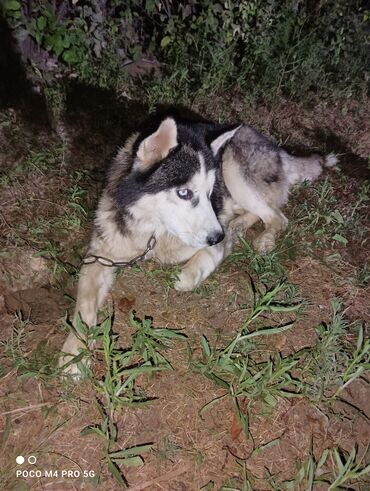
105	261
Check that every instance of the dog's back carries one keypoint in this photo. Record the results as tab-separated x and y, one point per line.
259	174
268	168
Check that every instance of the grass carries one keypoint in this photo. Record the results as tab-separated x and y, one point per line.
119	387
334	363
72	214
325	221
167	275
71	219
236	368
320	373
149	342
40	161
267	268
263	50
39	363
346	470
362	277
51	215
207	289
244	483
334	468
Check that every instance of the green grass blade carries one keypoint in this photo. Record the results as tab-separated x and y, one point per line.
132	451
117	473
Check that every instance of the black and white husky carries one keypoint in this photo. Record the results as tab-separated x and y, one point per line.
191	192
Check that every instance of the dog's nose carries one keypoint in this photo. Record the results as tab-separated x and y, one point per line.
215	238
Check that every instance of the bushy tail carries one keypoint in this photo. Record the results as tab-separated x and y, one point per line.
298	169
330	160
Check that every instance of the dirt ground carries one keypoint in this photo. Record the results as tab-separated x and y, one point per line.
47	197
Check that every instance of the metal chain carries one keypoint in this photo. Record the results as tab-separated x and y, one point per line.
105	261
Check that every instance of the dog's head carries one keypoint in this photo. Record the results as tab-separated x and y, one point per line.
171	183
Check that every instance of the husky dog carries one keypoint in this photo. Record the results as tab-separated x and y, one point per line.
191	191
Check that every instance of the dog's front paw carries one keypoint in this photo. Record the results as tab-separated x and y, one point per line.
71	348
187	281
264	243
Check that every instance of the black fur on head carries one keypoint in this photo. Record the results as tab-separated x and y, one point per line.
174	170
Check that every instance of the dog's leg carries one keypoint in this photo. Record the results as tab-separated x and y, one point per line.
94	283
247	196
200	266
242	223
274	222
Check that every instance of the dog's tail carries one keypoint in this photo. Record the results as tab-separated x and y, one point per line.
298	169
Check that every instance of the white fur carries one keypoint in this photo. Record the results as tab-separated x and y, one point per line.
247	197
222	139
165	212
199	267
330	160
243	193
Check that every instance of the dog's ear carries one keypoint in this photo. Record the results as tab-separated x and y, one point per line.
222	139
157	146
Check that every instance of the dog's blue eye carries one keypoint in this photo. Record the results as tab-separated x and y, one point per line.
184	193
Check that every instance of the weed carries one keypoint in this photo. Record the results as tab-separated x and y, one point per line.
51	250
244	481
323	223
118	387
235	369
207	289
75	213
321	373
332	364
266	49
39	363
362	277
38	161
56	100
167	450
14	347
147	341
345	471
357	363
45	234
167	275
267	267
346	468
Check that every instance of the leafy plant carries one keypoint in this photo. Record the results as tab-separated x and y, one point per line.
267	267
345	471
244	378
118	388
332	365
206	47
323	223
148	341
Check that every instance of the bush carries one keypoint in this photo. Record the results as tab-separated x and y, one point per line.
265	48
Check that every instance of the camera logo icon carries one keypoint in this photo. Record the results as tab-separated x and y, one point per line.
31	459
